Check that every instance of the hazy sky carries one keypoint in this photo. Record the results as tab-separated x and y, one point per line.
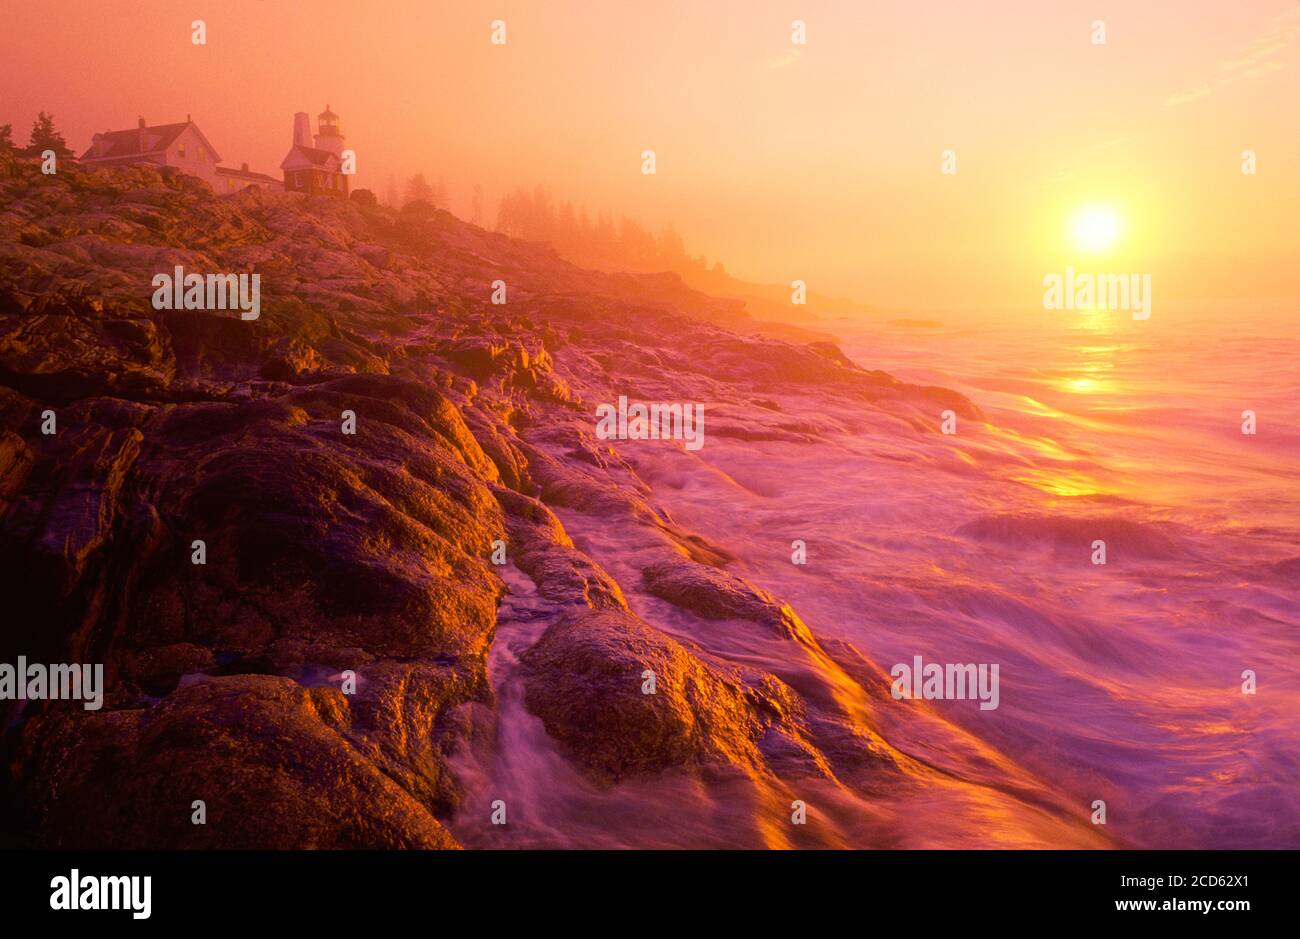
820	161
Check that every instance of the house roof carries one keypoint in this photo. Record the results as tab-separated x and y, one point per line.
246	174
140	142
310	155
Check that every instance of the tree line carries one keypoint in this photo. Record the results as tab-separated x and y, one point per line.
44	136
602	241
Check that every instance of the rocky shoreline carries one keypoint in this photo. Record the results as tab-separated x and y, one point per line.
371	552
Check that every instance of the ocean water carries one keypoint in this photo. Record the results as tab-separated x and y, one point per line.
1119	682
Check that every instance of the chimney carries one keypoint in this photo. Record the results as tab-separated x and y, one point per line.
141	125
244	167
301	129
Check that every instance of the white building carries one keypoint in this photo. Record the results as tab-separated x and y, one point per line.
182	146
315	166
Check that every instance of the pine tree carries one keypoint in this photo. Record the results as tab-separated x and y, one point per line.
476	205
6	150
418	190
45	136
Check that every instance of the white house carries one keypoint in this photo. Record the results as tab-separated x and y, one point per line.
179	145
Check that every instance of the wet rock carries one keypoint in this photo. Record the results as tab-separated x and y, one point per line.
158	670
408	720
714	594
585	678
288	358
542	549
270	759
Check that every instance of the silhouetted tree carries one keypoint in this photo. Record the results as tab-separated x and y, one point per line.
46	137
418	190
6	150
476	205
670	248
364	198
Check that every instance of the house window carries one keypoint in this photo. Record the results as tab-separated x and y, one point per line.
180	150
200	155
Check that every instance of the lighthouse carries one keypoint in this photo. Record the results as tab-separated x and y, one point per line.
316	168
329	136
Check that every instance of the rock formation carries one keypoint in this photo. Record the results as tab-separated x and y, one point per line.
328	554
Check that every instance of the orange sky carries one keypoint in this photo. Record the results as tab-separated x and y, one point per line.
819	162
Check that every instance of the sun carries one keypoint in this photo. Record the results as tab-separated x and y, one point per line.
1095	228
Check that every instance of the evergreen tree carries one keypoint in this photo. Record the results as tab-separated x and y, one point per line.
364	197
418	190
46	137
476	205
6	150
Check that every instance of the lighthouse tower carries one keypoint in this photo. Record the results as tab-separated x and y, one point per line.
329	136
316	170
